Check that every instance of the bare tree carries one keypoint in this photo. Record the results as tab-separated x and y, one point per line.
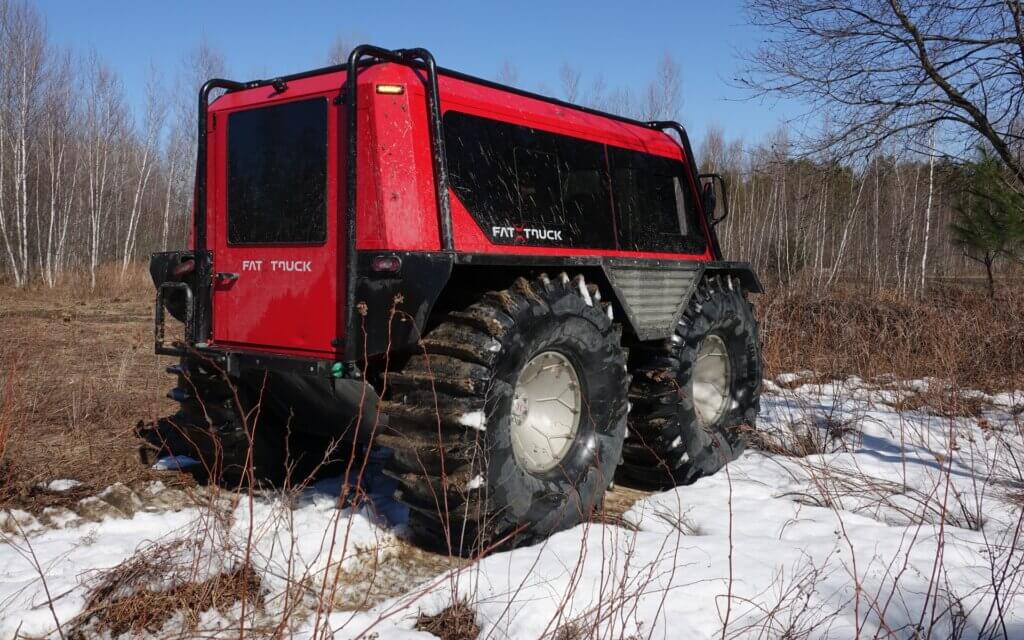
203	62
507	73
881	70
59	118
174	158
153	125
104	124
23	45
663	97
569	79
341	47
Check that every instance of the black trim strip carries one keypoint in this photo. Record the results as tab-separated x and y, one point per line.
203	324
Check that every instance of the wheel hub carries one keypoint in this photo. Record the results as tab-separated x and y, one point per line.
546	405
711	380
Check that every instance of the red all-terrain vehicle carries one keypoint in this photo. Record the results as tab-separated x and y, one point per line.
521	297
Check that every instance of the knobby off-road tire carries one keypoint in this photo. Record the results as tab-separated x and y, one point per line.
672	439
452	415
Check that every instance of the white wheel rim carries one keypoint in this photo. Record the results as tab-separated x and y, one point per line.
711	380
546	406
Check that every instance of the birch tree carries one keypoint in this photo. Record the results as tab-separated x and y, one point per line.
104	120
23	44
59	115
153	125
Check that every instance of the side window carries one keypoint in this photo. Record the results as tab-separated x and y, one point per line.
527	186
654	203
586	198
481	167
538	186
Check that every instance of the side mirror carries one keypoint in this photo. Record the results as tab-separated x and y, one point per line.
710	199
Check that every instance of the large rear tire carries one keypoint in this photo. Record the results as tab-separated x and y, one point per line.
695	396
509	426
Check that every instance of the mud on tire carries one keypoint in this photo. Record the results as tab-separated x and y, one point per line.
450	417
669	443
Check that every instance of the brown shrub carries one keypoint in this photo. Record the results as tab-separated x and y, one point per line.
145	612
123	599
954	333
454	623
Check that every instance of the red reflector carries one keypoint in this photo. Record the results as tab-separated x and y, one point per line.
386	264
182	269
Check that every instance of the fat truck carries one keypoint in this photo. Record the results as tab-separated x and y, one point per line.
522	299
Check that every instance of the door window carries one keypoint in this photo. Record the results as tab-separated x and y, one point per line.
277	174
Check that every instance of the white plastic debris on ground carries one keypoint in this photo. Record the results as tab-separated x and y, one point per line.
908	521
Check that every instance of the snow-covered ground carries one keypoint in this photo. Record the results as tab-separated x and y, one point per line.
906	524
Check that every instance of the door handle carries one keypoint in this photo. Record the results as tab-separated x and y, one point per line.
227	276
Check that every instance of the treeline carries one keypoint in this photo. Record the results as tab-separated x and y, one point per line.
84	181
886	222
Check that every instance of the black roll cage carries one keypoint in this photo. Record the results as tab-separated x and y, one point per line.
361	57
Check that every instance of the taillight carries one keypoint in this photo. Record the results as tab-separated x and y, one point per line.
386	264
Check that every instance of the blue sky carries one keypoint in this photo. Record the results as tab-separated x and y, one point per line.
620	40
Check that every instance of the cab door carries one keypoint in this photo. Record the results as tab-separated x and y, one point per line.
277	245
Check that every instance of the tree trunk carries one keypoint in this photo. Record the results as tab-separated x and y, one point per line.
991	280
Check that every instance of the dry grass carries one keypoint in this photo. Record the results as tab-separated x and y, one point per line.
78	372
942	401
577	631
810	434
454	623
955	333
123	599
372	575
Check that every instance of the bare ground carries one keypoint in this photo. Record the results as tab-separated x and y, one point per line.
77	372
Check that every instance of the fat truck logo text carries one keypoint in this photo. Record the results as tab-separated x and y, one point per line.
526	234
291	266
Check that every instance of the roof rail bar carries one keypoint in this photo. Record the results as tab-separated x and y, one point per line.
199	329
414	58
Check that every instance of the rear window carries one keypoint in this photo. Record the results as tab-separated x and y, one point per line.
277	174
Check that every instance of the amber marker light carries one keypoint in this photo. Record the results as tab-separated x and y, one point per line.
391	89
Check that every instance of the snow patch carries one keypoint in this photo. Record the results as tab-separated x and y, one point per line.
584	293
797	525
61	485
784	379
474	420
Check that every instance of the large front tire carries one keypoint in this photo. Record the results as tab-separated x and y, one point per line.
460	414
695	396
